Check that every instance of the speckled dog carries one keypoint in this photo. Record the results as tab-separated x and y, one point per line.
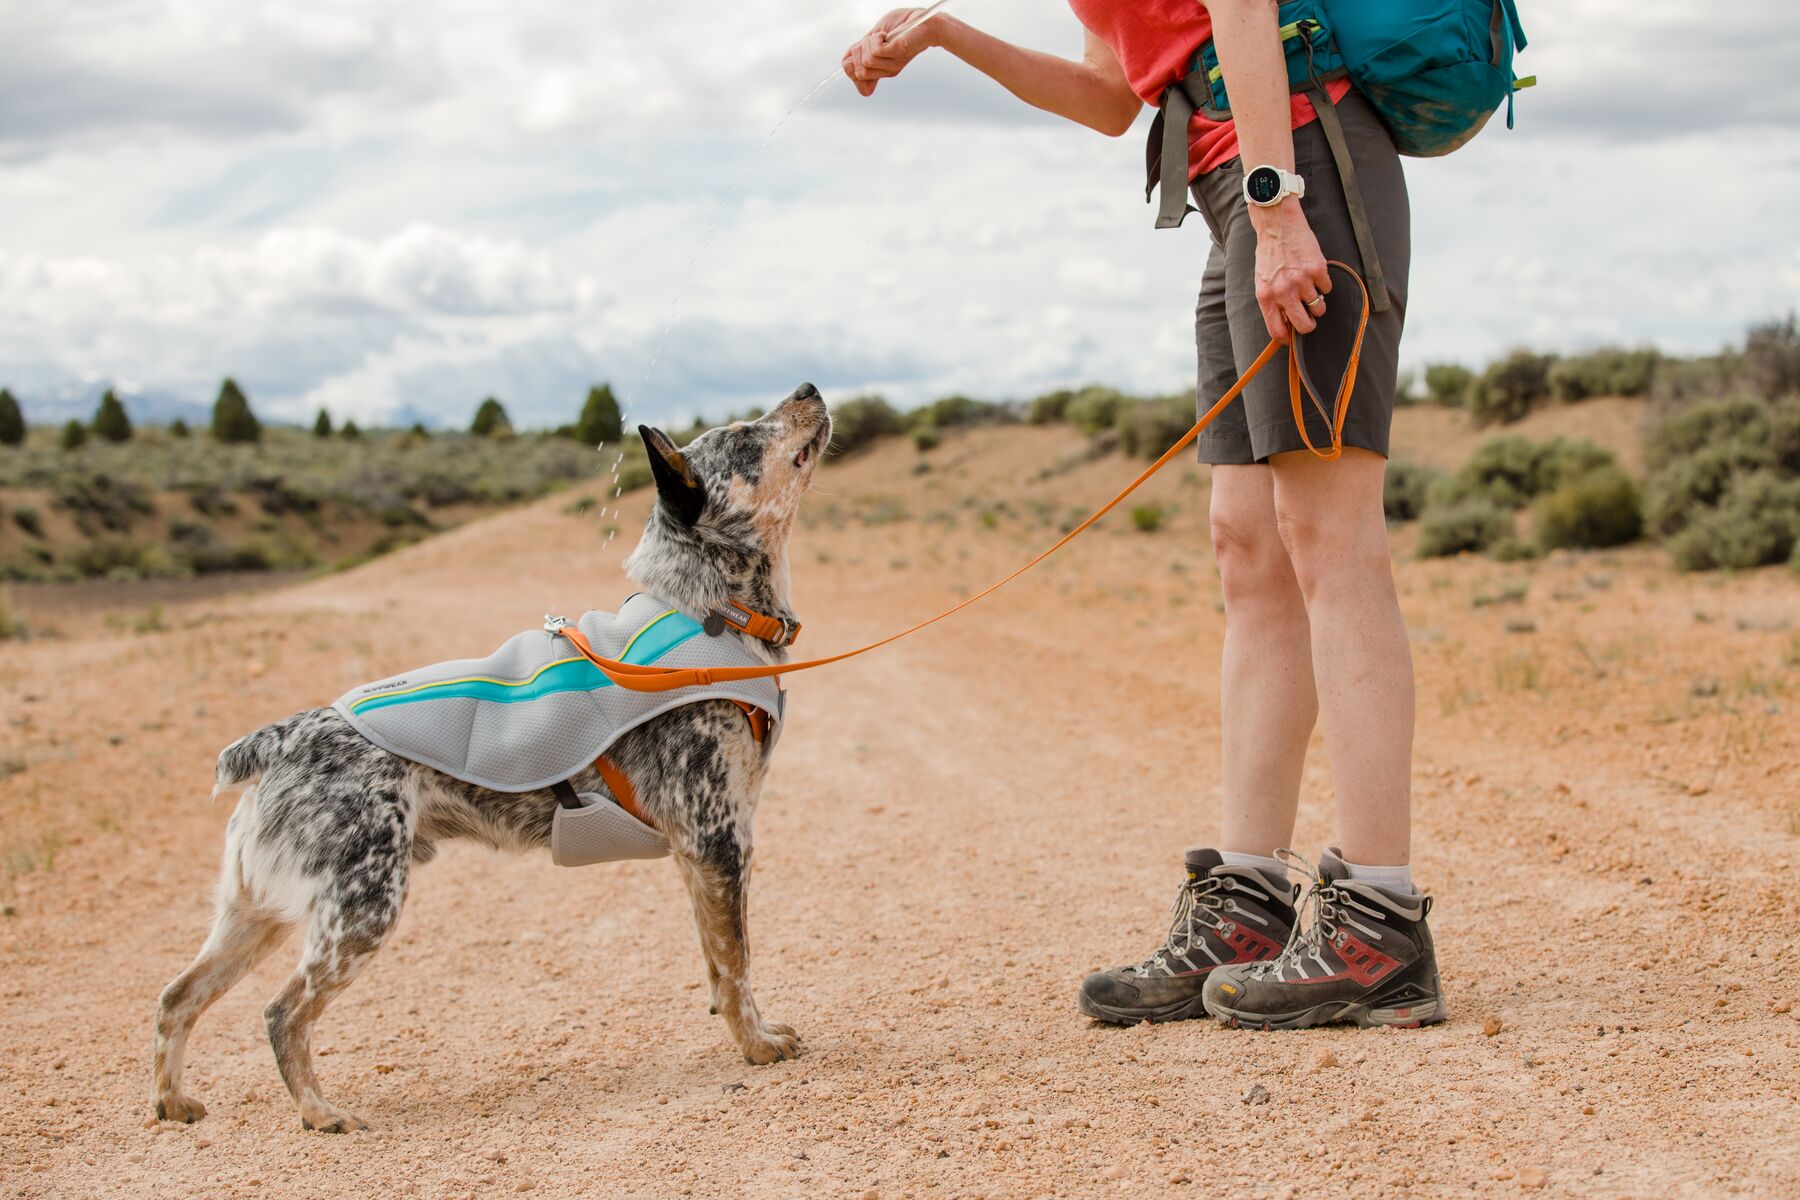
328	829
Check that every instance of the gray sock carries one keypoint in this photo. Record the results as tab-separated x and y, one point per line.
1393	879
1271	867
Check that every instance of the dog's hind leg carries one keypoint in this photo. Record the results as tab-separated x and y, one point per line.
338	945
241	937
717	889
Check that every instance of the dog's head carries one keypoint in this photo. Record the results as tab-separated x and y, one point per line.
725	507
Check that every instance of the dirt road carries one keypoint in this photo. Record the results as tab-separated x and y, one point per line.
956	830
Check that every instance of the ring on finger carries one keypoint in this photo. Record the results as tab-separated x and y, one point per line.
1319	300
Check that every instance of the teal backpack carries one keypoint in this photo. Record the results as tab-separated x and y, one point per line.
1434	70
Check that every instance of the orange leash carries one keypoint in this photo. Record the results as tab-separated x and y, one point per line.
640	678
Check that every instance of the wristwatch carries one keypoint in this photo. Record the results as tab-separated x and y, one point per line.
1266	186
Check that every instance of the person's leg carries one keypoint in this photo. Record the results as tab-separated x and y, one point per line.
1331	522
1267	705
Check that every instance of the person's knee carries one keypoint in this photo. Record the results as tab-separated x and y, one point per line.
1252	561
1330	552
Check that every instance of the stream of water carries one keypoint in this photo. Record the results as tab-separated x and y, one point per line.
732	200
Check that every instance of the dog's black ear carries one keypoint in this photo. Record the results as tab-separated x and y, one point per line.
676	482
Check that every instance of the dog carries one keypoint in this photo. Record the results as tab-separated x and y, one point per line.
329	826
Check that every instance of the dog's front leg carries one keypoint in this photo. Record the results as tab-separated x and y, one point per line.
716	884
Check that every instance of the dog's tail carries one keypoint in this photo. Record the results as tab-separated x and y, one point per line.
247	758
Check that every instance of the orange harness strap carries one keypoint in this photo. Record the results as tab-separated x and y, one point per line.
650	678
619	784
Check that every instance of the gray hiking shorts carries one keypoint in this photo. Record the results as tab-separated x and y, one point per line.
1228	325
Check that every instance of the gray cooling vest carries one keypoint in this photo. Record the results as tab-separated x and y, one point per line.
535	712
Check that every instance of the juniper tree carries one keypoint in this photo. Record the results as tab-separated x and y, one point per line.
600	419
12	420
110	422
232	420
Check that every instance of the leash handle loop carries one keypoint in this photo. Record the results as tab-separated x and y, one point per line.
650	678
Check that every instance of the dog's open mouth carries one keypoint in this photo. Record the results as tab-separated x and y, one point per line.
812	446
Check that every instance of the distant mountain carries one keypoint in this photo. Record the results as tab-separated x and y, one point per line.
76	401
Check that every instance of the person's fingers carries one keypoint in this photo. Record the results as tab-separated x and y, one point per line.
1272	318
1296	314
1322	279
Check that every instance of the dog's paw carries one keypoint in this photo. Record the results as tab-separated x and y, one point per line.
177	1107
325	1119
772	1043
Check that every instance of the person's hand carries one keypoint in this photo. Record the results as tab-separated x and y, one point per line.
882	56
1291	276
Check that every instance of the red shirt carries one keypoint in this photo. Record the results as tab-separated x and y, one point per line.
1154	41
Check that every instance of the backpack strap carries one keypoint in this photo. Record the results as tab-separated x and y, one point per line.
1166	157
1353	197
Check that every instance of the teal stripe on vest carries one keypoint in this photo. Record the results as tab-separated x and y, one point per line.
651	643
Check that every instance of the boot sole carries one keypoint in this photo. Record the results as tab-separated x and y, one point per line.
1181	1010
1412	1016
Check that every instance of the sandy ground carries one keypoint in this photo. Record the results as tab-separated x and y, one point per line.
956	830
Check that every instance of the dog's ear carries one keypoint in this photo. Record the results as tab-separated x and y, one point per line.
676	483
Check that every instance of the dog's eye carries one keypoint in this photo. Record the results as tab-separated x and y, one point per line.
800	458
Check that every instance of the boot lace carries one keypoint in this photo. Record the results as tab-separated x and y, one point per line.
1332	909
1198	910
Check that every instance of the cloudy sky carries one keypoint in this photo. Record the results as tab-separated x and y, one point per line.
393	207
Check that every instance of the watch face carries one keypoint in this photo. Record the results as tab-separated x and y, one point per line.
1263	185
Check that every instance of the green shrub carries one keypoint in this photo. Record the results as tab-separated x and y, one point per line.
491	420
1736	421
101	502
1473	524
1597	510
1404	488
1147	518
861	421
926	438
74	435
1094	408
12	420
1051	408
1689	485
1757	522
1149	427
350	432
635	474
1512	549
116	557
1784	431
275	551
322	424
29	520
950	412
1771	359
1509	388
1513	470
1448	384
232	421
209	501
1608	372
178	428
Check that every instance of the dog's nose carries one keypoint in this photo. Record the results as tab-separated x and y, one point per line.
806	391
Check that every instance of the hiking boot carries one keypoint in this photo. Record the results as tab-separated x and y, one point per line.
1365	957
1223	915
